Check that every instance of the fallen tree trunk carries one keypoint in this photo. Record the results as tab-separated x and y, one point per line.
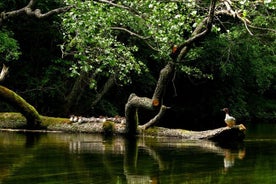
27	110
155	103
223	134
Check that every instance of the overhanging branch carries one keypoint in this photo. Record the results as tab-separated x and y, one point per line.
200	31
30	12
131	32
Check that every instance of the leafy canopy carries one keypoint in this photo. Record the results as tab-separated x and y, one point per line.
9	48
103	37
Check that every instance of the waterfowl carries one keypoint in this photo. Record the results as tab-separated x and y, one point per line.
229	120
80	120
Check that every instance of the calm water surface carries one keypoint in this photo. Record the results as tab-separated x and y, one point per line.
55	158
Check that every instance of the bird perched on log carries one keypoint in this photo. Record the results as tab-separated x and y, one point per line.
229	120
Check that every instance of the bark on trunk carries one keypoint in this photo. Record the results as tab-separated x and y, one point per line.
164	78
224	134
134	102
131	112
30	113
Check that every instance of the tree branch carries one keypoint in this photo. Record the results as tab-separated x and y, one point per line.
131	33
30	12
4	72
229	11
201	30
263	28
134	12
164	78
155	119
107	86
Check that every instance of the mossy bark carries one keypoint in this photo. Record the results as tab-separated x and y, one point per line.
27	110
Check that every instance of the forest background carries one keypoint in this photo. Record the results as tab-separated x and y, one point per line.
88	60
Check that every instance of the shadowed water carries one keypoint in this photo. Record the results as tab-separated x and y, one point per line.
83	158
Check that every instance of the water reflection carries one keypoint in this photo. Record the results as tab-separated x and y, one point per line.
230	156
85	158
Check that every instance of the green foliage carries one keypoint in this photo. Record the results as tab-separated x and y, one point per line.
132	41
9	48
244	71
96	50
103	38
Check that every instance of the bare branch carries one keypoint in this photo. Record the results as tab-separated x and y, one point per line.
37	12
4	72
201	30
235	14
30	12
131	33
155	119
263	28
137	35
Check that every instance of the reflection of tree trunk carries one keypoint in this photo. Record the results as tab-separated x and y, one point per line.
131	156
30	113
76	92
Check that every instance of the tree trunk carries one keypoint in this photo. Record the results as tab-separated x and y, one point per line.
76	92
107	86
223	134
134	102
30	113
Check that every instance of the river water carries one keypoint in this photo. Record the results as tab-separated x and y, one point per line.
55	158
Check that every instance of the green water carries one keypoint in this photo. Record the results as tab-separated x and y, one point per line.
56	158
